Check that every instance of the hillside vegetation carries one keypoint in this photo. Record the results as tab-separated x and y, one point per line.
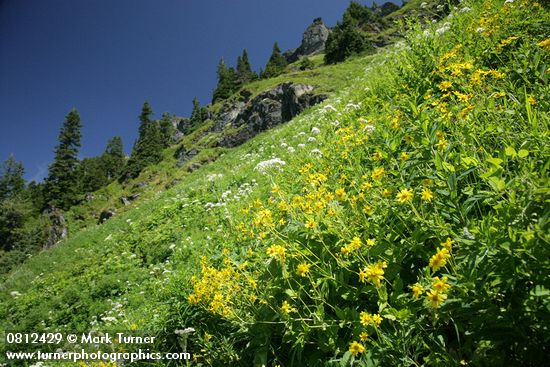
403	222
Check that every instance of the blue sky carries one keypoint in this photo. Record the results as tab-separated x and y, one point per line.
105	57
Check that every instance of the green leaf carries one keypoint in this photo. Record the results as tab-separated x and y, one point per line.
510	152
495	161
523	153
448	167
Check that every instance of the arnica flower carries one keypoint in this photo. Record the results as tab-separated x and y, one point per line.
310	223
285	308
417	290
377	155
427	195
356	348
448	244
371	242
386	193
374	273
404	156
435	298
441	285
441	144
443	86
439	260
277	252
365	318
378	173
340	194
364	336
303	269
531	100
545	44
377	319
404	195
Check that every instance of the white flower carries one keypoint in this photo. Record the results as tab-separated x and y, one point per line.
316	153
284	145
315	130
369	128
509	2
464	10
301	145
262	167
439	7
480	29
15	294
423	5
311	139
329	107
291	149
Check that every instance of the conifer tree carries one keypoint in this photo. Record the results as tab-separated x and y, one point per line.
276	63
196	118
113	158
62	180
148	147
12	182
166	130
227	82
244	71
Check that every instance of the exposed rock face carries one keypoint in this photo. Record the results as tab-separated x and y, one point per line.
183	155
180	125
265	111
313	41
58	228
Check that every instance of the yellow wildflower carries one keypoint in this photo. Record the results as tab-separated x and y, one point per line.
377	319
417	290
356	348
441	285
373	273
441	144
303	269
378	173
365	318
439	260
435	298
386	193
531	100
545	44
364	336
285	308
377	155
427	195
277	252
367	209
404	156
371	242
445	85
448	244
310	223
340	194
404	195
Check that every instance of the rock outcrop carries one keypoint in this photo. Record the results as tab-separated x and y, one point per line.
57	229
265	111
313	41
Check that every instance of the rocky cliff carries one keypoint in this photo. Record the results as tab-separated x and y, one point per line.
313	41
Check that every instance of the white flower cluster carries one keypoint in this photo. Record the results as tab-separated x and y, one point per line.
264	166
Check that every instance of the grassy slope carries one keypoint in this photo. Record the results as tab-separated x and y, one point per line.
485	151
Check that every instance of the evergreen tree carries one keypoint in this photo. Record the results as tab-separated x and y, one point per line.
166	130
196	118
244	71
113	158
62	180
148	147
92	174
276	63
227	82
346	39
12	182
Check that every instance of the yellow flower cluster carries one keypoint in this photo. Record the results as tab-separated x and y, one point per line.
374	273
367	319
440	258
278	252
215	288
438	294
353	245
